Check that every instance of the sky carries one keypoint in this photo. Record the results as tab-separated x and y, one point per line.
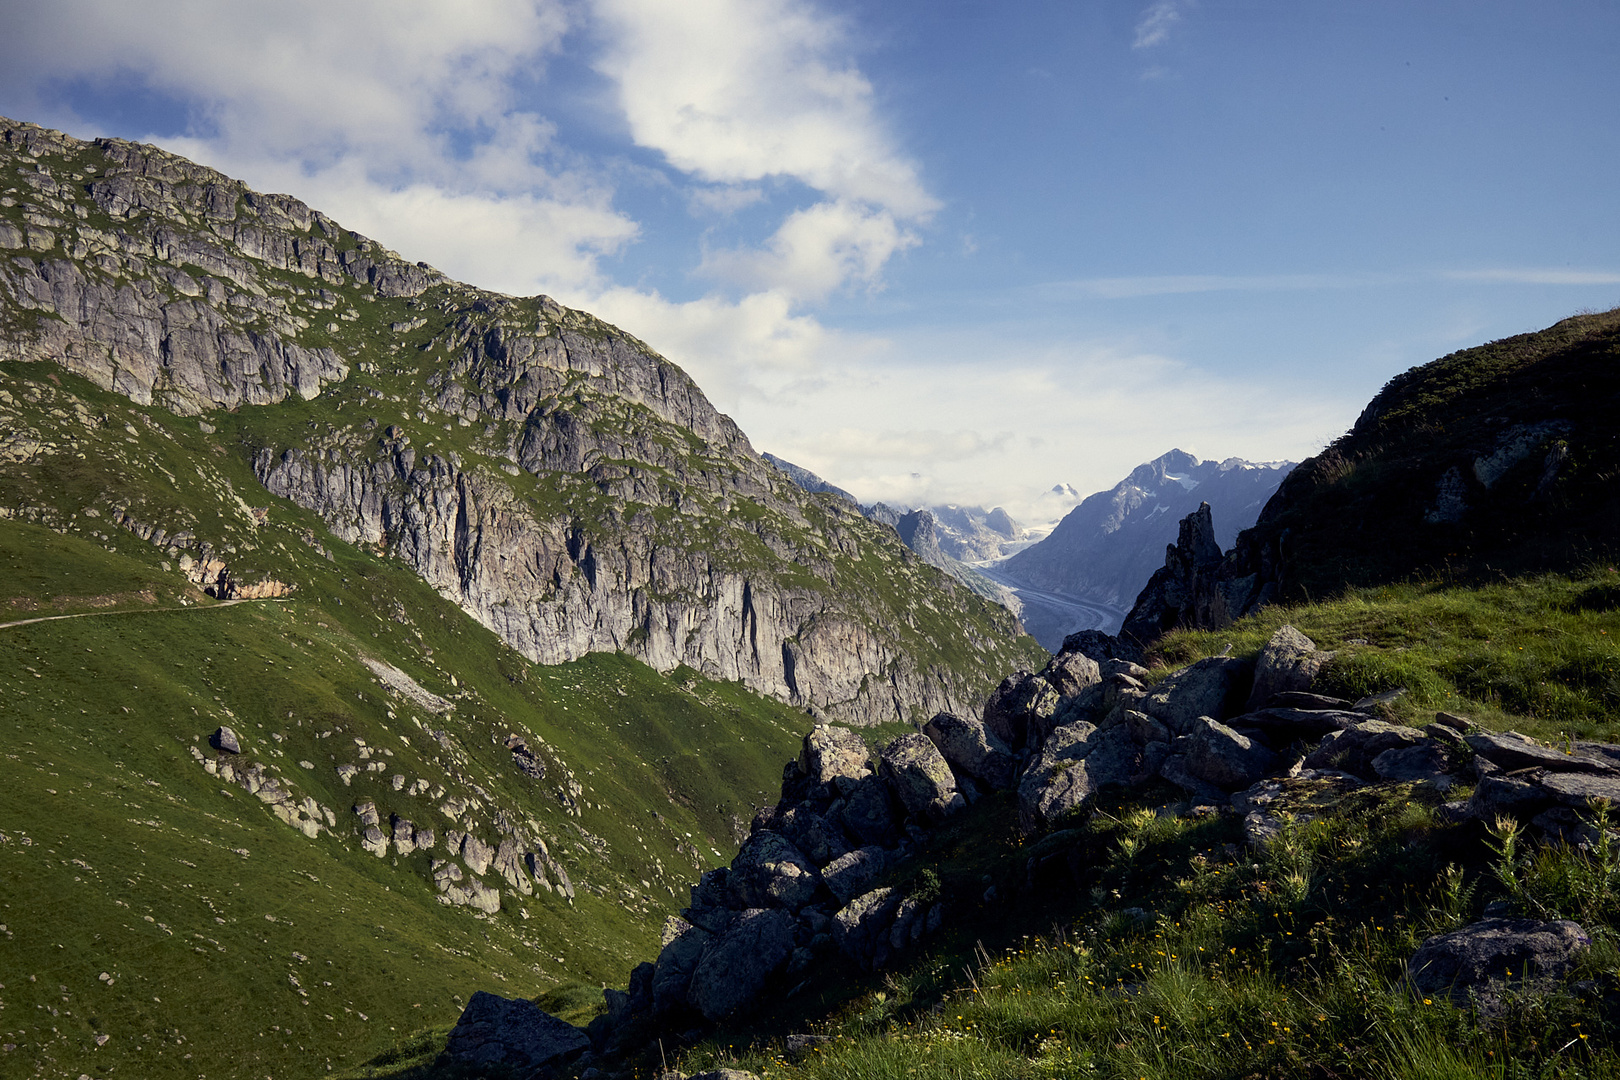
941	251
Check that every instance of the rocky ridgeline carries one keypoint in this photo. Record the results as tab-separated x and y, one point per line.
1239	736
568	487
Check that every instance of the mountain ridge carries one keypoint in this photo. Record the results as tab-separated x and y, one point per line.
479	426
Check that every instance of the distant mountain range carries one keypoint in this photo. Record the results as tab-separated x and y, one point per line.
1088	570
1107	548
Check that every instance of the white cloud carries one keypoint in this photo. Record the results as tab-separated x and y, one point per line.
1532	276
305	78
1157	21
1122	288
734	91
725	199
815	251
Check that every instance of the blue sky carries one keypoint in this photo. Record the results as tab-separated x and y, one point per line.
941	251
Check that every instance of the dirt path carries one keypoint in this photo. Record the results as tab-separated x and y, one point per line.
146	611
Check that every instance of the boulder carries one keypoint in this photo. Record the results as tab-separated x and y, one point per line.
1514	796
971	750
736	964
1212	687
830	752
1220	756
1021	700
861	927
1578	790
869	813
1071	672
855	873
1076	763
224	739
672	974
819	839
1513	751
1405	764
1482	959
769	872
1282	725
1101	647
919	776
515	1034
1353	749
1288	663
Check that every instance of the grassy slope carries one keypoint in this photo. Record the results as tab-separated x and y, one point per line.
1281	962
98	714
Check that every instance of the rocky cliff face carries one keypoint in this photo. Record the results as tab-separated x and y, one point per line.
568	487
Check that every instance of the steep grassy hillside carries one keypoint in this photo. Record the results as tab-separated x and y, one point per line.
127	857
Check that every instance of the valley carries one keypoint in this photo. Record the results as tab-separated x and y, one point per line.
403	679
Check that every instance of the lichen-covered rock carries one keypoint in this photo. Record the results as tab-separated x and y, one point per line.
736	963
1021	702
817	838
1288	663
515	1034
853	874
1071	672
1510	750
861	927
770	872
672	974
971	750
1222	757
830	752
919	777
1077	761
870	814
1353	749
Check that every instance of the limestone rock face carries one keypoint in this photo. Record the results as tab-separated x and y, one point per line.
589	500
